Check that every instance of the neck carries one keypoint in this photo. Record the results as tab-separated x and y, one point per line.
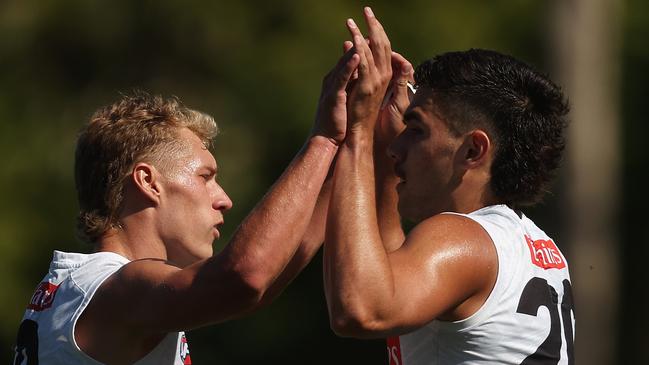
471	197
132	240
115	241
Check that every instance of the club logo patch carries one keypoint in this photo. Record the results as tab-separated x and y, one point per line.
545	254
184	351
43	297
394	351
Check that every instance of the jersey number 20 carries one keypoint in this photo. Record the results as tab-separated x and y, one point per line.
539	293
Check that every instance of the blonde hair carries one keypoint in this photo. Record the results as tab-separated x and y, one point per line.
136	128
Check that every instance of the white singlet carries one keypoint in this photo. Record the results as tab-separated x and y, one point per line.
528	317
46	334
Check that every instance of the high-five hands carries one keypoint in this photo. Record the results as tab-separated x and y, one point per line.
356	89
331	115
395	103
374	73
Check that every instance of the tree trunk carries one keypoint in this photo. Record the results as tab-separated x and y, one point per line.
586	39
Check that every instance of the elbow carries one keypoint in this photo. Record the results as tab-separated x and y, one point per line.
254	288
346	326
248	288
361	325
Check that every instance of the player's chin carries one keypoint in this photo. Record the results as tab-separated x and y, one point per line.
206	252
199	256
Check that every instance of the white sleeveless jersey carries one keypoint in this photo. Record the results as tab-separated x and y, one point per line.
527	319
46	334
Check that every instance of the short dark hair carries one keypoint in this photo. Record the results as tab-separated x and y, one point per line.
523	112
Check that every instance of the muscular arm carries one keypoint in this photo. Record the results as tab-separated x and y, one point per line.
443	269
354	250
148	297
311	242
388	126
389	221
233	282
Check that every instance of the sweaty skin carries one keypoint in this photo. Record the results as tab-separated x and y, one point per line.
376	285
167	226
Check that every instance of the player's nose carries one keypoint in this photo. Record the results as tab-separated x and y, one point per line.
221	200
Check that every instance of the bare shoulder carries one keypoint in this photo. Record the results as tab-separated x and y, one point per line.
121	294
453	257
152	296
137	275
127	283
116	317
141	294
453	232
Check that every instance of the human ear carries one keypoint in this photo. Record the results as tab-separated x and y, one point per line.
477	146
146	180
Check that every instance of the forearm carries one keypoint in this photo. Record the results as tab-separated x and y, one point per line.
387	199
309	246
357	271
268	238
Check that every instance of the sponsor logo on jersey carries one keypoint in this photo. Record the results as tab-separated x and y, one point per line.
394	351
184	351
545	254
43	297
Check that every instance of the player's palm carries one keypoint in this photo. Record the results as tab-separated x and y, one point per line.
397	99
331	115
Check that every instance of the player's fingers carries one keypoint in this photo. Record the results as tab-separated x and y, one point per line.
361	47
378	39
347	45
344	70
329	80
398	63
403	90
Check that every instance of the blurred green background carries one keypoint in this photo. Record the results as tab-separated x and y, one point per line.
257	67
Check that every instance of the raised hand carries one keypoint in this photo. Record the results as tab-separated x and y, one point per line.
395	103
331	115
374	73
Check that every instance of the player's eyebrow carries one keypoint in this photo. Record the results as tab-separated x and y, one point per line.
213	170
